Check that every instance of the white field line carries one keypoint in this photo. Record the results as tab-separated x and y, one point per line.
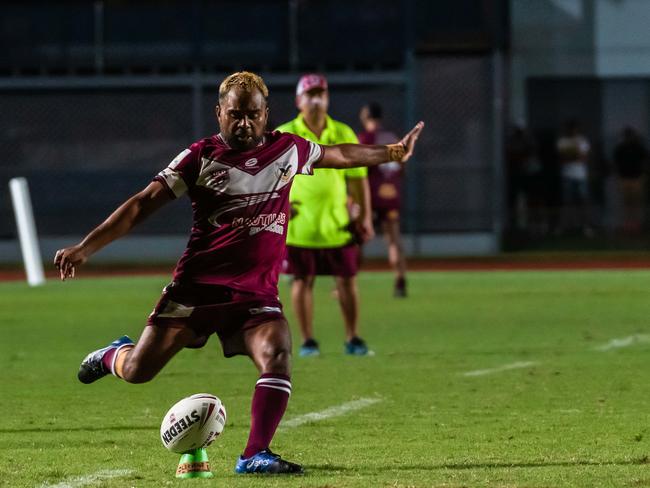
90	479
505	367
624	342
335	411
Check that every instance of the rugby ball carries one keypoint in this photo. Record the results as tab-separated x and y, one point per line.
193	423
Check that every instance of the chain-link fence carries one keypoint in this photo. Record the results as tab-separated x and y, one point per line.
454	186
85	146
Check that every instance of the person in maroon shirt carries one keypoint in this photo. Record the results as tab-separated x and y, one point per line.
385	186
226	280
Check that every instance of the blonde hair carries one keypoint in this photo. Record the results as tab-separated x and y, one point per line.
245	80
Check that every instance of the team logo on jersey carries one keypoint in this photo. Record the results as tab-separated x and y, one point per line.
251	163
285	173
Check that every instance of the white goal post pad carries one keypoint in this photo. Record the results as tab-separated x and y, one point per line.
27	236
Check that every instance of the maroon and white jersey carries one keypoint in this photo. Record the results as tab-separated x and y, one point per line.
240	204
385	180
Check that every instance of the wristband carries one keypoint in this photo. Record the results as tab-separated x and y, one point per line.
396	152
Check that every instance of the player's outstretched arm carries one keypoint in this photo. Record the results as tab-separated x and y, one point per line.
119	223
352	155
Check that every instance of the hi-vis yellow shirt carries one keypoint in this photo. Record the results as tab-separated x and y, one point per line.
320	200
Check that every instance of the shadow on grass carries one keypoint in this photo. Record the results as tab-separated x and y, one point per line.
45	430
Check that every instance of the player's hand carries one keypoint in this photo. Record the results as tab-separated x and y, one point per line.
364	230
67	259
409	140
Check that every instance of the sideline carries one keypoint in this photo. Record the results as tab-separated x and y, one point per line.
624	342
331	412
415	266
505	367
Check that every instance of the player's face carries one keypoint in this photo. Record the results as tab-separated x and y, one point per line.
364	116
242	118
367	121
313	102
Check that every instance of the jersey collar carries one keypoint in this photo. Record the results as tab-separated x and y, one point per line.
306	133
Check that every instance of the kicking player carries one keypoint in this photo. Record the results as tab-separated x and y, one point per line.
385	183
226	280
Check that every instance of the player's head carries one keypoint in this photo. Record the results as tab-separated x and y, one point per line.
242	110
312	95
370	116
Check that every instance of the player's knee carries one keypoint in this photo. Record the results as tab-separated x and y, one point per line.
276	358
304	282
347	283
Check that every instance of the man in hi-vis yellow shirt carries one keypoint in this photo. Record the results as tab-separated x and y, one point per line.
322	238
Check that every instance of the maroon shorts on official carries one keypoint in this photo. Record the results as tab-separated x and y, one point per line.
210	309
338	261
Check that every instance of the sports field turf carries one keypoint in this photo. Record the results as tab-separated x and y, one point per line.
551	402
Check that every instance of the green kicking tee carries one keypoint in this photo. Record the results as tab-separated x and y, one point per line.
321	215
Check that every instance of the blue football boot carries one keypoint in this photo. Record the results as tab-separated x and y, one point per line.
309	348
265	462
357	347
92	367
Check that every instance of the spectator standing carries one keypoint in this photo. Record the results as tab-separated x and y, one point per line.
574	149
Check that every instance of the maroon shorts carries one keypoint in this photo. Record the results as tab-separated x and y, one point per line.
209	309
337	261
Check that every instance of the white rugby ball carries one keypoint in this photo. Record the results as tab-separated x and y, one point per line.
193	423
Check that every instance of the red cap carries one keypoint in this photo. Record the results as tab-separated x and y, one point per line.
310	81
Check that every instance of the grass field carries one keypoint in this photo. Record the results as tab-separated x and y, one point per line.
550	401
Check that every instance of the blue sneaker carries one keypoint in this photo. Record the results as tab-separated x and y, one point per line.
309	348
357	347
92	367
265	462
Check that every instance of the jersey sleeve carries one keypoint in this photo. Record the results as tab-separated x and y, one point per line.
182	172
309	153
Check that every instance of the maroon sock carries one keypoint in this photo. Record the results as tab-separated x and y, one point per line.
270	400
107	360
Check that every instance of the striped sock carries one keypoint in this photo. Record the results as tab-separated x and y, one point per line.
270	401
111	356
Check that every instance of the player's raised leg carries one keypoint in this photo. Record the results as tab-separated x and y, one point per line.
269	346
137	363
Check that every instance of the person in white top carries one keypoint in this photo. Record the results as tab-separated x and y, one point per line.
573	149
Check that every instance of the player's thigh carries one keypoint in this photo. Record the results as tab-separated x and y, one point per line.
157	345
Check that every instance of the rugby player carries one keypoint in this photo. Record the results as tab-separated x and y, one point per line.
226	280
385	186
